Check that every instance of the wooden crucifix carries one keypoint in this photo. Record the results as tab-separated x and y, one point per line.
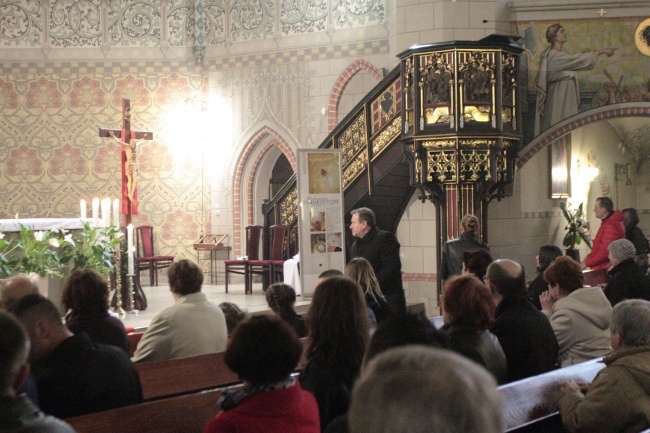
127	138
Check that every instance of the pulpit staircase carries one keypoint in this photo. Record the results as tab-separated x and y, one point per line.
375	167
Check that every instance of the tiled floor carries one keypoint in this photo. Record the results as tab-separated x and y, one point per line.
159	298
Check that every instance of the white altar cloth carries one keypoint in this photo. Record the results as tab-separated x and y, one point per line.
13	225
291	273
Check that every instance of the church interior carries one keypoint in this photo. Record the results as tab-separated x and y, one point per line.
231	95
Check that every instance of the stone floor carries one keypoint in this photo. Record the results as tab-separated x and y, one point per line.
159	298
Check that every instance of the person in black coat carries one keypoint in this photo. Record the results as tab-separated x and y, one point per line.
628	280
381	249
524	332
281	298
547	253
635	235
451	262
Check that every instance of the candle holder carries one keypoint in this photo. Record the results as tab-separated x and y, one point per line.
118	294
131	298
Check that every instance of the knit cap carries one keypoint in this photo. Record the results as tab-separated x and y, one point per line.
622	249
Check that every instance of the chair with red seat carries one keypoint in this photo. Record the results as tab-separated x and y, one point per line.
267	267
242	267
146	257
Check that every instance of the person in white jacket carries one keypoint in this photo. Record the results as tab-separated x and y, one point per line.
579	315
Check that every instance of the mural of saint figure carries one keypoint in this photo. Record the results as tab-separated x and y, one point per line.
558	95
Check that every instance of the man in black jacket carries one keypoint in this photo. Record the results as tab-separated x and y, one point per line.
628	280
524	332
381	249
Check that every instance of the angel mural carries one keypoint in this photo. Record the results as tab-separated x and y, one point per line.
558	93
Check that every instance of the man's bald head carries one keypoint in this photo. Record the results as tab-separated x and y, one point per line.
14	288
507	277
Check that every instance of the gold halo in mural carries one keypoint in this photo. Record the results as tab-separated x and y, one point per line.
642	37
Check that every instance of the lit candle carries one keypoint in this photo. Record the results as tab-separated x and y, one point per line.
95	211
82	206
129	237
116	212
106	212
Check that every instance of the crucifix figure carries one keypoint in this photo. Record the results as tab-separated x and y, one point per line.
129	171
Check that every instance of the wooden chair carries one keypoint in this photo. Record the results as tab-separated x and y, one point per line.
242	267
267	267
146	258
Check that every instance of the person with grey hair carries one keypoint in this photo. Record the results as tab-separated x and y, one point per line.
192	326
627	279
524	332
14	288
394	394
381	249
17	412
618	399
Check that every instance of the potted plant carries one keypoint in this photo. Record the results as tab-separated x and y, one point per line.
577	230
94	248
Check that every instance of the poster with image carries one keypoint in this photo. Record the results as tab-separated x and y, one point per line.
320	215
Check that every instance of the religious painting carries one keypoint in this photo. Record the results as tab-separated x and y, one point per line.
578	65
320	215
559	154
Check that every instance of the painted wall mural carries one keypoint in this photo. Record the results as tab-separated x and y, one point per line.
573	66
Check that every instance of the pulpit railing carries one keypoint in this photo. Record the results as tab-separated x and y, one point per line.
364	136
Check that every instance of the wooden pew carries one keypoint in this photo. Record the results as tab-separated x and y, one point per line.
134	338
184	375
182	414
181	376
530	405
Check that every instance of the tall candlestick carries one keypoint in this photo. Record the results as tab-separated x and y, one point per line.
116	212
82	206
106	212
95	211
129	238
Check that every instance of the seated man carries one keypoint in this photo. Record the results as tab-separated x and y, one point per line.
74	376
422	389
17	413
14	288
618	399
524	332
192	326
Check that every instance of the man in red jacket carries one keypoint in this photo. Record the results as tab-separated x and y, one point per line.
611	229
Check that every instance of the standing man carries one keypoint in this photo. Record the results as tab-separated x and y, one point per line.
611	229
381	249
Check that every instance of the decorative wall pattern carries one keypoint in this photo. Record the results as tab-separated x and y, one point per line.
51	155
172	23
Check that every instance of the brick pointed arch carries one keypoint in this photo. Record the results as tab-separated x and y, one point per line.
240	182
638	109
341	83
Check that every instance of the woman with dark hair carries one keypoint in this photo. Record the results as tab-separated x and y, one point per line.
281	298
85	298
635	235
451	262
547	253
467	306
579	315
476	262
338	332
360	270
264	351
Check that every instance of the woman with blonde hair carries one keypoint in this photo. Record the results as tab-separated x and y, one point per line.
360	270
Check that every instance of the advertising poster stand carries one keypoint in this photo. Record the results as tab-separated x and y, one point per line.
320	215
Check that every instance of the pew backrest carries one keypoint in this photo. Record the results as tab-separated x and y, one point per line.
184	375
182	414
533	399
